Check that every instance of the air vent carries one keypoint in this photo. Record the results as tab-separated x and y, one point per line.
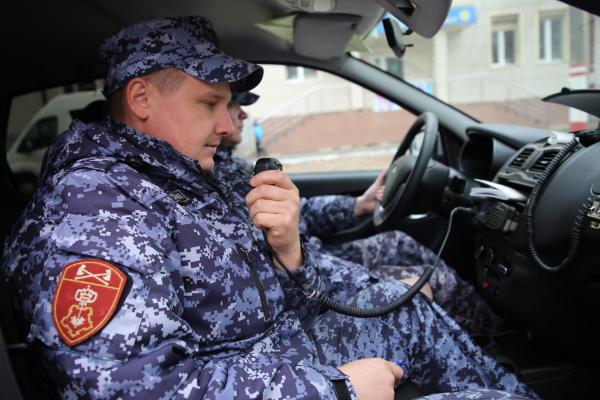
521	158
542	162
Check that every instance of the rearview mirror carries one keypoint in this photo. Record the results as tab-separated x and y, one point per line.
395	36
424	17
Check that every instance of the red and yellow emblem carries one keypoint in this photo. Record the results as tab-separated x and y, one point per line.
86	297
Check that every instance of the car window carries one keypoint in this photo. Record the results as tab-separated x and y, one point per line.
315	121
35	119
40	135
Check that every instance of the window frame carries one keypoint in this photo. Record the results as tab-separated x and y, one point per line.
565	27
301	75
496	23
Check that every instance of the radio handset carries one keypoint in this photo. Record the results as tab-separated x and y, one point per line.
265	164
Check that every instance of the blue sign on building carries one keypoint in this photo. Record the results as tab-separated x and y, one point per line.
461	16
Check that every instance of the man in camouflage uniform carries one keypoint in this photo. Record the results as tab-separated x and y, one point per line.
139	280
389	254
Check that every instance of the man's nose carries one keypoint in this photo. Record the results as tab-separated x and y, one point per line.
225	124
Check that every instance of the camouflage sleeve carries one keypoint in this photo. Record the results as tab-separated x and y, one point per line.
297	285
324	215
330	275
168	372
148	349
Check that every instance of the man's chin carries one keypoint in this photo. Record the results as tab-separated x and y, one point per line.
207	164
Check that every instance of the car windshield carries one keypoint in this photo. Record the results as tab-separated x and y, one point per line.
496	59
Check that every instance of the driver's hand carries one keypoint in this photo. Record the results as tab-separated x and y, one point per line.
373	378
365	204
274	205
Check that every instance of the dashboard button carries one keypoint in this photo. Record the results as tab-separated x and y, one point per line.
502	269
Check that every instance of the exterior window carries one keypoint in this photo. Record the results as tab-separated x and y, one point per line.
394	66
551	38
299	73
40	135
323	124
504	40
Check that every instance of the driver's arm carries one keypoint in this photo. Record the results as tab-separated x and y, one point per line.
325	215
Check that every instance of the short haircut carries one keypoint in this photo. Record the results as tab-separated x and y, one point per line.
166	81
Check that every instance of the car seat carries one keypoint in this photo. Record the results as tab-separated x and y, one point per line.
20	373
93	112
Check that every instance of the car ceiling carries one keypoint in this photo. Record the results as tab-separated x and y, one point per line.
74	29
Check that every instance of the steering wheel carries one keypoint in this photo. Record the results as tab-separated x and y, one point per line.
406	173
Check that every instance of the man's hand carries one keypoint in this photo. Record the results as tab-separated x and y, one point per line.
274	205
373	378
426	289
365	204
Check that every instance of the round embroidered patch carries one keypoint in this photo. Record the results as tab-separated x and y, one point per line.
86	297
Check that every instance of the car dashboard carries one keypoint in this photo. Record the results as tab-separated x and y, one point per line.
552	304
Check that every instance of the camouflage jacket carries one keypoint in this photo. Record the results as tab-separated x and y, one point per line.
204	314
319	215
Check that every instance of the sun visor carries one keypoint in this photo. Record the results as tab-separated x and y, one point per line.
424	17
586	100
323	36
303	32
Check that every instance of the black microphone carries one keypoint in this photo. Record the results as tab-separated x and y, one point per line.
267	163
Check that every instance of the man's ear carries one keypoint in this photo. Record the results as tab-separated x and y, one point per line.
137	96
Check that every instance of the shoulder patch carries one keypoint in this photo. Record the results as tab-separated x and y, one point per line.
86	297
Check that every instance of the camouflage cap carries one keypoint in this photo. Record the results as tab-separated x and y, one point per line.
245	98
187	43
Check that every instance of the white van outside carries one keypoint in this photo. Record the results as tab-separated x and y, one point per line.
27	151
